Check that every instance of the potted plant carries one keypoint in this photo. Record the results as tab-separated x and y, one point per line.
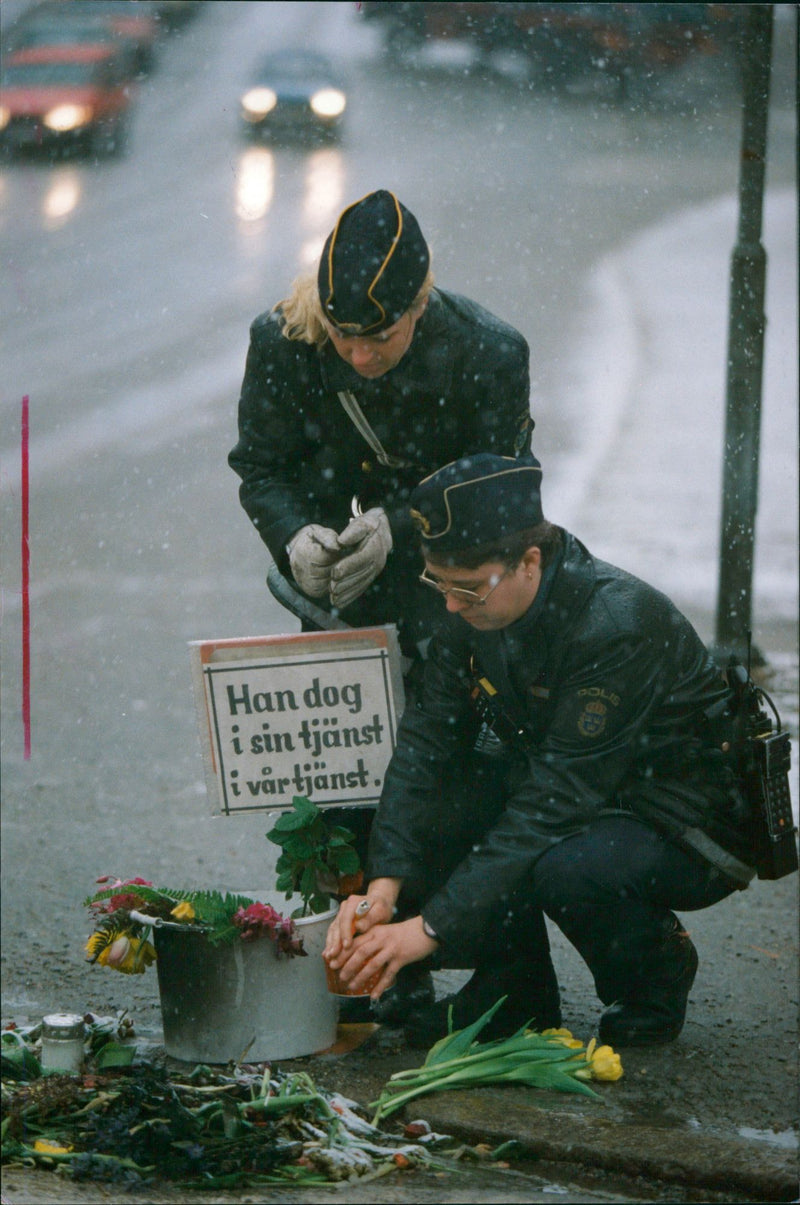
317	860
236	978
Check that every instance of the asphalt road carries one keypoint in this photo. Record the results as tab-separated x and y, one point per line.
127	295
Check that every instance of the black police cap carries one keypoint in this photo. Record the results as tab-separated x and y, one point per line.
372	266
477	500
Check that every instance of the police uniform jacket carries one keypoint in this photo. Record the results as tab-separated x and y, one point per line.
611	684
462	386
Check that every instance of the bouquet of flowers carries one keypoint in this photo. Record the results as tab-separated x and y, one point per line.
126	909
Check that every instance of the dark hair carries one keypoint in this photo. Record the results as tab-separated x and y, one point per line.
509	550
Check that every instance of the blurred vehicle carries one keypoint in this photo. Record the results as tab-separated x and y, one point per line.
630	43
293	93
566	41
65	97
135	23
50	29
175	13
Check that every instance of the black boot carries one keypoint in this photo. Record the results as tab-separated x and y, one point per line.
532	999
411	991
655	1010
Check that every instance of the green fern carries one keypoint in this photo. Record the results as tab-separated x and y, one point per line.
213	910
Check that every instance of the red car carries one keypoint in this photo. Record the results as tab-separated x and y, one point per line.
137	23
76	96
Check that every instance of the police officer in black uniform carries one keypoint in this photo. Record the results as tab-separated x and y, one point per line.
608	802
363	380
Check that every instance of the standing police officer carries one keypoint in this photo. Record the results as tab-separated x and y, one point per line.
611	801
362	381
365	379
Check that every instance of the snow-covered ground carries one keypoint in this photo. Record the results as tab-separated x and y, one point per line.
648	387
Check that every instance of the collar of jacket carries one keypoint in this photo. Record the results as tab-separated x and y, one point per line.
427	367
566	586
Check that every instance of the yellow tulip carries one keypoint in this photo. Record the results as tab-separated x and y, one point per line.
183	911
564	1037
606	1063
44	1146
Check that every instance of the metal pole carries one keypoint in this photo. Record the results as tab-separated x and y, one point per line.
745	349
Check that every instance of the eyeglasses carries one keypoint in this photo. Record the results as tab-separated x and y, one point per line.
465	596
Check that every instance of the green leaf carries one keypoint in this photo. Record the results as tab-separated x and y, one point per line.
341	836
458	1043
346	861
308	882
304	813
285	882
546	1075
19	1063
114	1054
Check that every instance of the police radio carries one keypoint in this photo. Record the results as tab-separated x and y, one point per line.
764	760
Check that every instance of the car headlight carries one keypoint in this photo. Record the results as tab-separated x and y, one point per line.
68	117
257	103
328	102
5	116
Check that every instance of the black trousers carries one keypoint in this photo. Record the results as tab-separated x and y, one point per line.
612	890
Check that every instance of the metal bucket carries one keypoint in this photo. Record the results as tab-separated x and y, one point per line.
239	1001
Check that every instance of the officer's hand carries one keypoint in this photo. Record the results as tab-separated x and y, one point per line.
365	544
349	923
313	552
377	955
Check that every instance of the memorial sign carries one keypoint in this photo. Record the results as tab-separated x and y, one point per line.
312	714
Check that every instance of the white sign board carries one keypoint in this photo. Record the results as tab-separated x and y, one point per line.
312	714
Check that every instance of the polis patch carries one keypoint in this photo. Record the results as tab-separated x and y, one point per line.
592	720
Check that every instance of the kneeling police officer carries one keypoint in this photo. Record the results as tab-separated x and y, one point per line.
559	762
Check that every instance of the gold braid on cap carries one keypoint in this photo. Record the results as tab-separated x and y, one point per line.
419	520
356	327
521	468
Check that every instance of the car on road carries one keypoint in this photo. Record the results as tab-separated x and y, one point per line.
293	94
135	23
73	97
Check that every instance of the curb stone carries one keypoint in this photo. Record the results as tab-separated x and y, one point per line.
699	1160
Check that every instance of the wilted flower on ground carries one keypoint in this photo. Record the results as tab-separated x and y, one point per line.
45	1146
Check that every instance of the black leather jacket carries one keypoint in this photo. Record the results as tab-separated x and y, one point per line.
462	386
611	684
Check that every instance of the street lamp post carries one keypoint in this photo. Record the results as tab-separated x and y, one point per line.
745	350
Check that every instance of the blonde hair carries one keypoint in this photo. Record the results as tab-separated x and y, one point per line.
302	310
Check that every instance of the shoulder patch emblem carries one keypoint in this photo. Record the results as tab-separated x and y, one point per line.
592	720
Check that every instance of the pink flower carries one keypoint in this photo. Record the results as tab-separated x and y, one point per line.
262	920
126	900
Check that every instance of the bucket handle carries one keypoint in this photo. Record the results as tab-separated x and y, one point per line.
156	922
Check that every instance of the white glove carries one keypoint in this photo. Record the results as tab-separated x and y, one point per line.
313	551
365	542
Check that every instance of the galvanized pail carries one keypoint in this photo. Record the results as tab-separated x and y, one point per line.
241	1002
